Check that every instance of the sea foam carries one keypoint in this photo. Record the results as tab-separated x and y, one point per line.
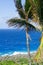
17	53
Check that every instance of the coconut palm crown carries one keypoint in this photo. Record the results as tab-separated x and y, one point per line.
24	13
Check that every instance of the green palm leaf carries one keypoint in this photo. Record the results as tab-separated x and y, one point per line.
16	21
20	22
19	8
41	11
18	4
34	10
27	5
37	9
27	8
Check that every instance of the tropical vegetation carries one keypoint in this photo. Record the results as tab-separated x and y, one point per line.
22	61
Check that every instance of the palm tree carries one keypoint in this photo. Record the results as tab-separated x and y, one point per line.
25	13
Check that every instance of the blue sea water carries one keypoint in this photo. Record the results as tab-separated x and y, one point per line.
12	40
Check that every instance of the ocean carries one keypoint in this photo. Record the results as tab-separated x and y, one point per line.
12	40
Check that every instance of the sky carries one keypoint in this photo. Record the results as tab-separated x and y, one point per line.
7	11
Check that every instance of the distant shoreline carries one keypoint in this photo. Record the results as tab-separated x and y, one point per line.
16	55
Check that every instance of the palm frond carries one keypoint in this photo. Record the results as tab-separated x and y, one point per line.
29	13
18	3
39	8
34	10
16	22
37	5
20	22
27	5
19	7
36	25
27	8
41	11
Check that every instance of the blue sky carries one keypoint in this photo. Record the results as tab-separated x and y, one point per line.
7	11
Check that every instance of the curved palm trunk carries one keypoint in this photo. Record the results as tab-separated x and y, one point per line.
28	46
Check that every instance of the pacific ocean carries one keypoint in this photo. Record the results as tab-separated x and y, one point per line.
12	40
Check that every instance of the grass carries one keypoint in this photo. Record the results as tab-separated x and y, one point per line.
21	61
6	63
